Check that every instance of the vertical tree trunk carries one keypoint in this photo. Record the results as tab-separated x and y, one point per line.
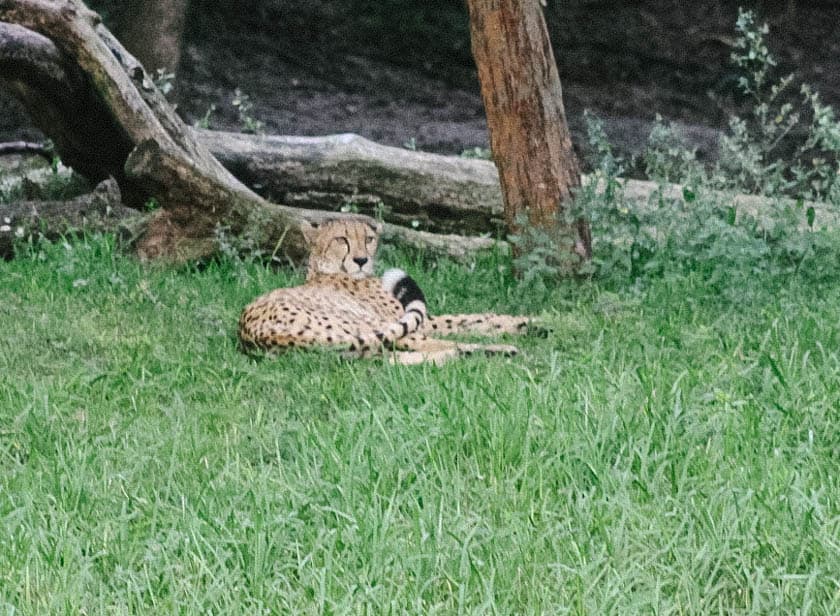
152	30
523	100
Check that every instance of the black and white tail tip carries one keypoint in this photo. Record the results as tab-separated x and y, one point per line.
406	290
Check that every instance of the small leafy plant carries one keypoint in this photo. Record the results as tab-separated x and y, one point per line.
164	81
204	121
477	152
780	146
244	110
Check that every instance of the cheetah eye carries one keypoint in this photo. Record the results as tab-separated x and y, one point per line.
368	240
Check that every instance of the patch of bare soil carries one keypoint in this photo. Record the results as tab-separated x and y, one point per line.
341	79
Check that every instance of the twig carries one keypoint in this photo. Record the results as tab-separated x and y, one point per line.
27	147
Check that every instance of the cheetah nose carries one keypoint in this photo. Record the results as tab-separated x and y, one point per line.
360	261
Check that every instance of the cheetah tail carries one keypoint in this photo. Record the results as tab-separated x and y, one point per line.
408	293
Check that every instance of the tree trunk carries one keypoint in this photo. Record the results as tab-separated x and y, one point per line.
529	137
153	31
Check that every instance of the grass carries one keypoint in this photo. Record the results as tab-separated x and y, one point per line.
670	448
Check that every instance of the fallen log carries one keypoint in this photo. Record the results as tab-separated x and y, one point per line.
644	196
102	211
405	187
457	247
647	197
442	194
445	194
99	211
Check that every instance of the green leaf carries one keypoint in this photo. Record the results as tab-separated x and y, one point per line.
775	369
731	215
810	214
688	195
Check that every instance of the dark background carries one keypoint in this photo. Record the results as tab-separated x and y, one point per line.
400	70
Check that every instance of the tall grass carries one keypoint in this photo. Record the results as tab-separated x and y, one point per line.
670	448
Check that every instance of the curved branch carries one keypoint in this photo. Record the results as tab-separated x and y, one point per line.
56	97
113	108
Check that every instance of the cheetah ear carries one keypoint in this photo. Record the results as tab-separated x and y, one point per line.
375	225
308	232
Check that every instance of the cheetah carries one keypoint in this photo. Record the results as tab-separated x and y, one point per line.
342	305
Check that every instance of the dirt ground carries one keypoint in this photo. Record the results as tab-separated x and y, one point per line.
402	73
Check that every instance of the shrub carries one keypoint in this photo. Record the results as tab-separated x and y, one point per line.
783	148
774	149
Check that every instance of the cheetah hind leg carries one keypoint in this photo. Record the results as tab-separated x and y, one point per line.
413	350
486	324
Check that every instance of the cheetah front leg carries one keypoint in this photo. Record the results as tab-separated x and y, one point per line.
418	349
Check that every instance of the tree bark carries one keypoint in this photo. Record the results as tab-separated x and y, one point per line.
529	136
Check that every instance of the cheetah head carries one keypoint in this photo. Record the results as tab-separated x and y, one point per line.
343	246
